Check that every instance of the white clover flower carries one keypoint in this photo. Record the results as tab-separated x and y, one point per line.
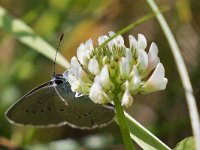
127	99
115	68
129	55
118	41
156	82
124	68
142	61
84	51
133	43
78	78
104	78
153	59
93	66
102	39
142	42
97	93
135	82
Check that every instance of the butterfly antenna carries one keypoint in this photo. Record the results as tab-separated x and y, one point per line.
57	49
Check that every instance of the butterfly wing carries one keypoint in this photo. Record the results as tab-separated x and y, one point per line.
37	108
43	107
81	112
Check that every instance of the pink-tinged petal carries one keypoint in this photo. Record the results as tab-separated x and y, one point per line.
142	42
127	99
157	81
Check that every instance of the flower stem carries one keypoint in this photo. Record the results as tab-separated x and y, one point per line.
122	123
191	102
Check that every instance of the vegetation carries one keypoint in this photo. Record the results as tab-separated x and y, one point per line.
30	30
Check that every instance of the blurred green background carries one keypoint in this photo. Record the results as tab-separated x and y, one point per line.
164	113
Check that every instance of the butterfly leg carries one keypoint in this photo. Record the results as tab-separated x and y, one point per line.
61	97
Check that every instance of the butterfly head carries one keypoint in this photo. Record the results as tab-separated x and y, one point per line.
59	79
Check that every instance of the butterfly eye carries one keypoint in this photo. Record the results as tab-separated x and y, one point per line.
58	82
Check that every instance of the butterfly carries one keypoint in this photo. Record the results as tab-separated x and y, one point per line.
54	104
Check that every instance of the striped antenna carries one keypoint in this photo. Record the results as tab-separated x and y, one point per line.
57	49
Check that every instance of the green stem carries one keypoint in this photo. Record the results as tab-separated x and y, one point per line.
132	25
122	123
28	137
191	102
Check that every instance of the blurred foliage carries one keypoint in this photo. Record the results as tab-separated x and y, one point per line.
164	113
185	144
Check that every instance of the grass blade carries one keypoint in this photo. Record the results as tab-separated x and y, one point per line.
27	36
193	111
143	137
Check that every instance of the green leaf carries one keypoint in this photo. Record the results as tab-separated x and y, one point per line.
27	36
143	137
186	144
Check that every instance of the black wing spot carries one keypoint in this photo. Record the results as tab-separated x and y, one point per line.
33	111
61	109
27	111
79	116
85	115
39	102
91	112
49	109
41	110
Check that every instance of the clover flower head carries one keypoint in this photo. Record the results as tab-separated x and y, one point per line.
99	72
